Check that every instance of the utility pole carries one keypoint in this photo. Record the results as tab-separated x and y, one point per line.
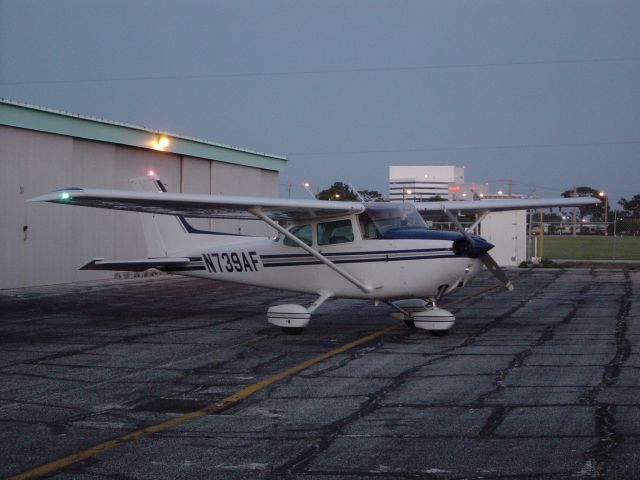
541	233
575	210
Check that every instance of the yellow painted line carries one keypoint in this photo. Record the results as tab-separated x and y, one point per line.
227	402
218	406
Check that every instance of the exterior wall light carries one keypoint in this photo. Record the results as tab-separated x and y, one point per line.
161	143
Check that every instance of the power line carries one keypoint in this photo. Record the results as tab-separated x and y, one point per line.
327	71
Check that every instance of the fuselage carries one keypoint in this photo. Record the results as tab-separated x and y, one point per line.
395	255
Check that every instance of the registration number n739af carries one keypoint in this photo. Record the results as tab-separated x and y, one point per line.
231	262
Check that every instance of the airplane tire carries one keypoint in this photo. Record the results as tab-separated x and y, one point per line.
410	323
292	330
439	333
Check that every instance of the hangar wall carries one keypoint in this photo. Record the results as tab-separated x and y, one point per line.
45	243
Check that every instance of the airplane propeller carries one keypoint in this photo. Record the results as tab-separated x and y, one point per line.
478	248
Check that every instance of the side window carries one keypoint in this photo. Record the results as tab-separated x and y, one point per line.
367	227
335	232
303	232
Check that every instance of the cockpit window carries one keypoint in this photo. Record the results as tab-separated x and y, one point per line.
303	232
335	232
377	219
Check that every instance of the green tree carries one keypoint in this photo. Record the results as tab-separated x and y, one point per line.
371	195
631	207
338	192
596	211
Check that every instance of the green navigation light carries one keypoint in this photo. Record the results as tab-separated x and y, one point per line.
65	196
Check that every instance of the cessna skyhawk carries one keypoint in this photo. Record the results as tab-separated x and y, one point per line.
382	252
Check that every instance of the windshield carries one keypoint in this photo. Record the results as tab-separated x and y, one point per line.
378	218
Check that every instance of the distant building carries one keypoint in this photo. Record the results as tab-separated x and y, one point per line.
421	182
468	191
499	194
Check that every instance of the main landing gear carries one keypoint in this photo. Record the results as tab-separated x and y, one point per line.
415	313
418	313
292	318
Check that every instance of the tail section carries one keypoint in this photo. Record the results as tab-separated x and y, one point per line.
168	235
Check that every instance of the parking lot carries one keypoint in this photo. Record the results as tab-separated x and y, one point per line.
181	378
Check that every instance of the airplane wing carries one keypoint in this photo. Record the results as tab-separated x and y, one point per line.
199	205
240	207
502	205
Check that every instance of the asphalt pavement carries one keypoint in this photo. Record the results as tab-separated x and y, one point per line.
181	378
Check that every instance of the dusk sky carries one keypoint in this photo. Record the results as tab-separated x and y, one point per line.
546	93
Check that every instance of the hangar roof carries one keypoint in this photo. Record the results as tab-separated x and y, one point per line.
21	115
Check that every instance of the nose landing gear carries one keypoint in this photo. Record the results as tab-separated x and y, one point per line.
418	313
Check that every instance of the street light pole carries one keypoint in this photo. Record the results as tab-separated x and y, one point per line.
606	216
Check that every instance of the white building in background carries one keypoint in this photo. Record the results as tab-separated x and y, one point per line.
43	149
421	182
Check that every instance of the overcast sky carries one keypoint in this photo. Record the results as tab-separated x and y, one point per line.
546	93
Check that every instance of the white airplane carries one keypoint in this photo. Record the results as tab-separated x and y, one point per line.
376	251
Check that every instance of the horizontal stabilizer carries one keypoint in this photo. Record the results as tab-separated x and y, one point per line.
133	265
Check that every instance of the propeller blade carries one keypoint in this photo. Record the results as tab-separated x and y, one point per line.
459	226
493	267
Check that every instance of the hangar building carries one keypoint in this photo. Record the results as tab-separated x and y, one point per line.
42	150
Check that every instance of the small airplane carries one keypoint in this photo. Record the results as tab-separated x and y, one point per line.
377	251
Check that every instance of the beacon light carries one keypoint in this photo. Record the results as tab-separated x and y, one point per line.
65	196
151	173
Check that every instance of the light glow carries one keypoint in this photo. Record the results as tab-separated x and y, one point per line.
151	173
161	143
65	196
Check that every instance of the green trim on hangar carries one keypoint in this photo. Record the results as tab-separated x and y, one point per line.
20	115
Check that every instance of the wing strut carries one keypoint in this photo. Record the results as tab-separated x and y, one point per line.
257	211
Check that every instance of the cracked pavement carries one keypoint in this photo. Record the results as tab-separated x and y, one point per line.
540	382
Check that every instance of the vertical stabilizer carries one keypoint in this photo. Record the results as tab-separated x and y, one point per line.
171	235
164	234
